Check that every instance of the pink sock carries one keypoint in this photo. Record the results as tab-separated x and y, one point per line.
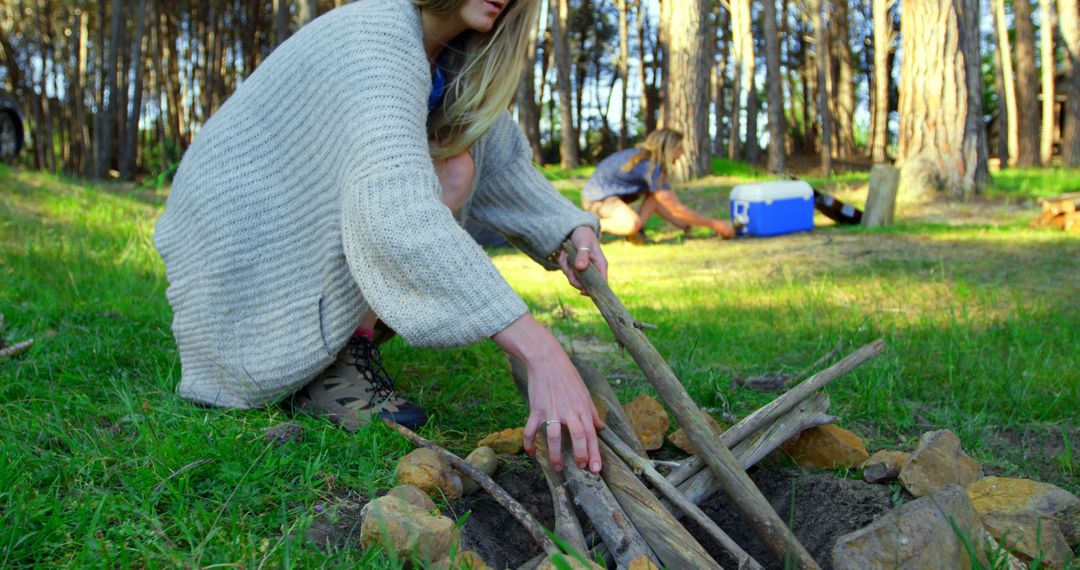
361	332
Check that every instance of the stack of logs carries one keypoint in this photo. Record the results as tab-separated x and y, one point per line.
629	520
1060	214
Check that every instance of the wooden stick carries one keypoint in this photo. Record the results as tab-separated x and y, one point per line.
487	483
754	508
567	526
641	465
16	349
769	413
611	522
811	413
612	412
674	546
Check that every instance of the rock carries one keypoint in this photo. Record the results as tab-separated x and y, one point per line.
505	441
884	466
642	563
918	534
465	560
1028	516
826	447
484	459
680	440
424	468
650	421
414	496
938	461
407	530
284	433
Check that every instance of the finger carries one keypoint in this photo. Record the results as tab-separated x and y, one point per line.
570	275
530	433
554	438
579	441
581	260
594	447
600	262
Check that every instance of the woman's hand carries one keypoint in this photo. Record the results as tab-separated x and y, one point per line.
724	228
557	395
588	250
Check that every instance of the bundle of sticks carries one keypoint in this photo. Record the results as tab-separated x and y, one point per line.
628	518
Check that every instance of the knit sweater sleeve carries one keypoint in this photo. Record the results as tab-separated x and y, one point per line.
415	266
516	200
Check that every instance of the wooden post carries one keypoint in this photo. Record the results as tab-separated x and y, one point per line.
754	508
881	198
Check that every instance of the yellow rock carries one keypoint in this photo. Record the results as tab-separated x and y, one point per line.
505	441
680	440
884	466
650	421
406	530
827	447
642	563
1028	516
938	461
424	469
413	495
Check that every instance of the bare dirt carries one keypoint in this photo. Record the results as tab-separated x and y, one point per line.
820	507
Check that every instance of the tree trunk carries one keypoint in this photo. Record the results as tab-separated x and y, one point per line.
528	110
1002	116
821	56
281	21
131	141
845	82
308	11
686	100
723	31
107	119
775	89
942	143
624	73
568	146
1046	39
742	52
882	46
1069	20
1005	54
80	132
1027	85
648	96
752	153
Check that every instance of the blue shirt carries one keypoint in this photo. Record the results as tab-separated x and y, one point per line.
609	179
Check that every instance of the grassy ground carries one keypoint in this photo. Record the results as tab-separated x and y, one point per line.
104	465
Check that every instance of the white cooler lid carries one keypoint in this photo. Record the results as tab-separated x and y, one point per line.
775	190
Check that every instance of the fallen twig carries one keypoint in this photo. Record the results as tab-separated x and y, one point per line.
174	474
487	483
16	349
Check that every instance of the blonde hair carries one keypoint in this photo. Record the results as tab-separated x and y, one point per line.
659	148
482	75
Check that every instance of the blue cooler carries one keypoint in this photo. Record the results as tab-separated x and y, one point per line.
773	208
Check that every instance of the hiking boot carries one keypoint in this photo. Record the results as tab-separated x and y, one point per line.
355	388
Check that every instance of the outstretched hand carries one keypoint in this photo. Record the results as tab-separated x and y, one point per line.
588	250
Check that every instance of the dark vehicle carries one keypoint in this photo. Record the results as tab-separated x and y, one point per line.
11	129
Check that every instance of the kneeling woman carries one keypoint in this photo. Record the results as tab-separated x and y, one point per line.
642	174
327	196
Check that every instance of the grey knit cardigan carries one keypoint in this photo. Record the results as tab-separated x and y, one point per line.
310	196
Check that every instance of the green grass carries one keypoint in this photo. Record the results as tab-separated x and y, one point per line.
981	325
1034	183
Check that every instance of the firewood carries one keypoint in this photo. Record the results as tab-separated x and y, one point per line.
1072	222
642	465
567	526
611	409
754	508
771	412
16	349
486	483
609	519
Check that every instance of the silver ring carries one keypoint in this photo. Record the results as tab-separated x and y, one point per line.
585	249
544	423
